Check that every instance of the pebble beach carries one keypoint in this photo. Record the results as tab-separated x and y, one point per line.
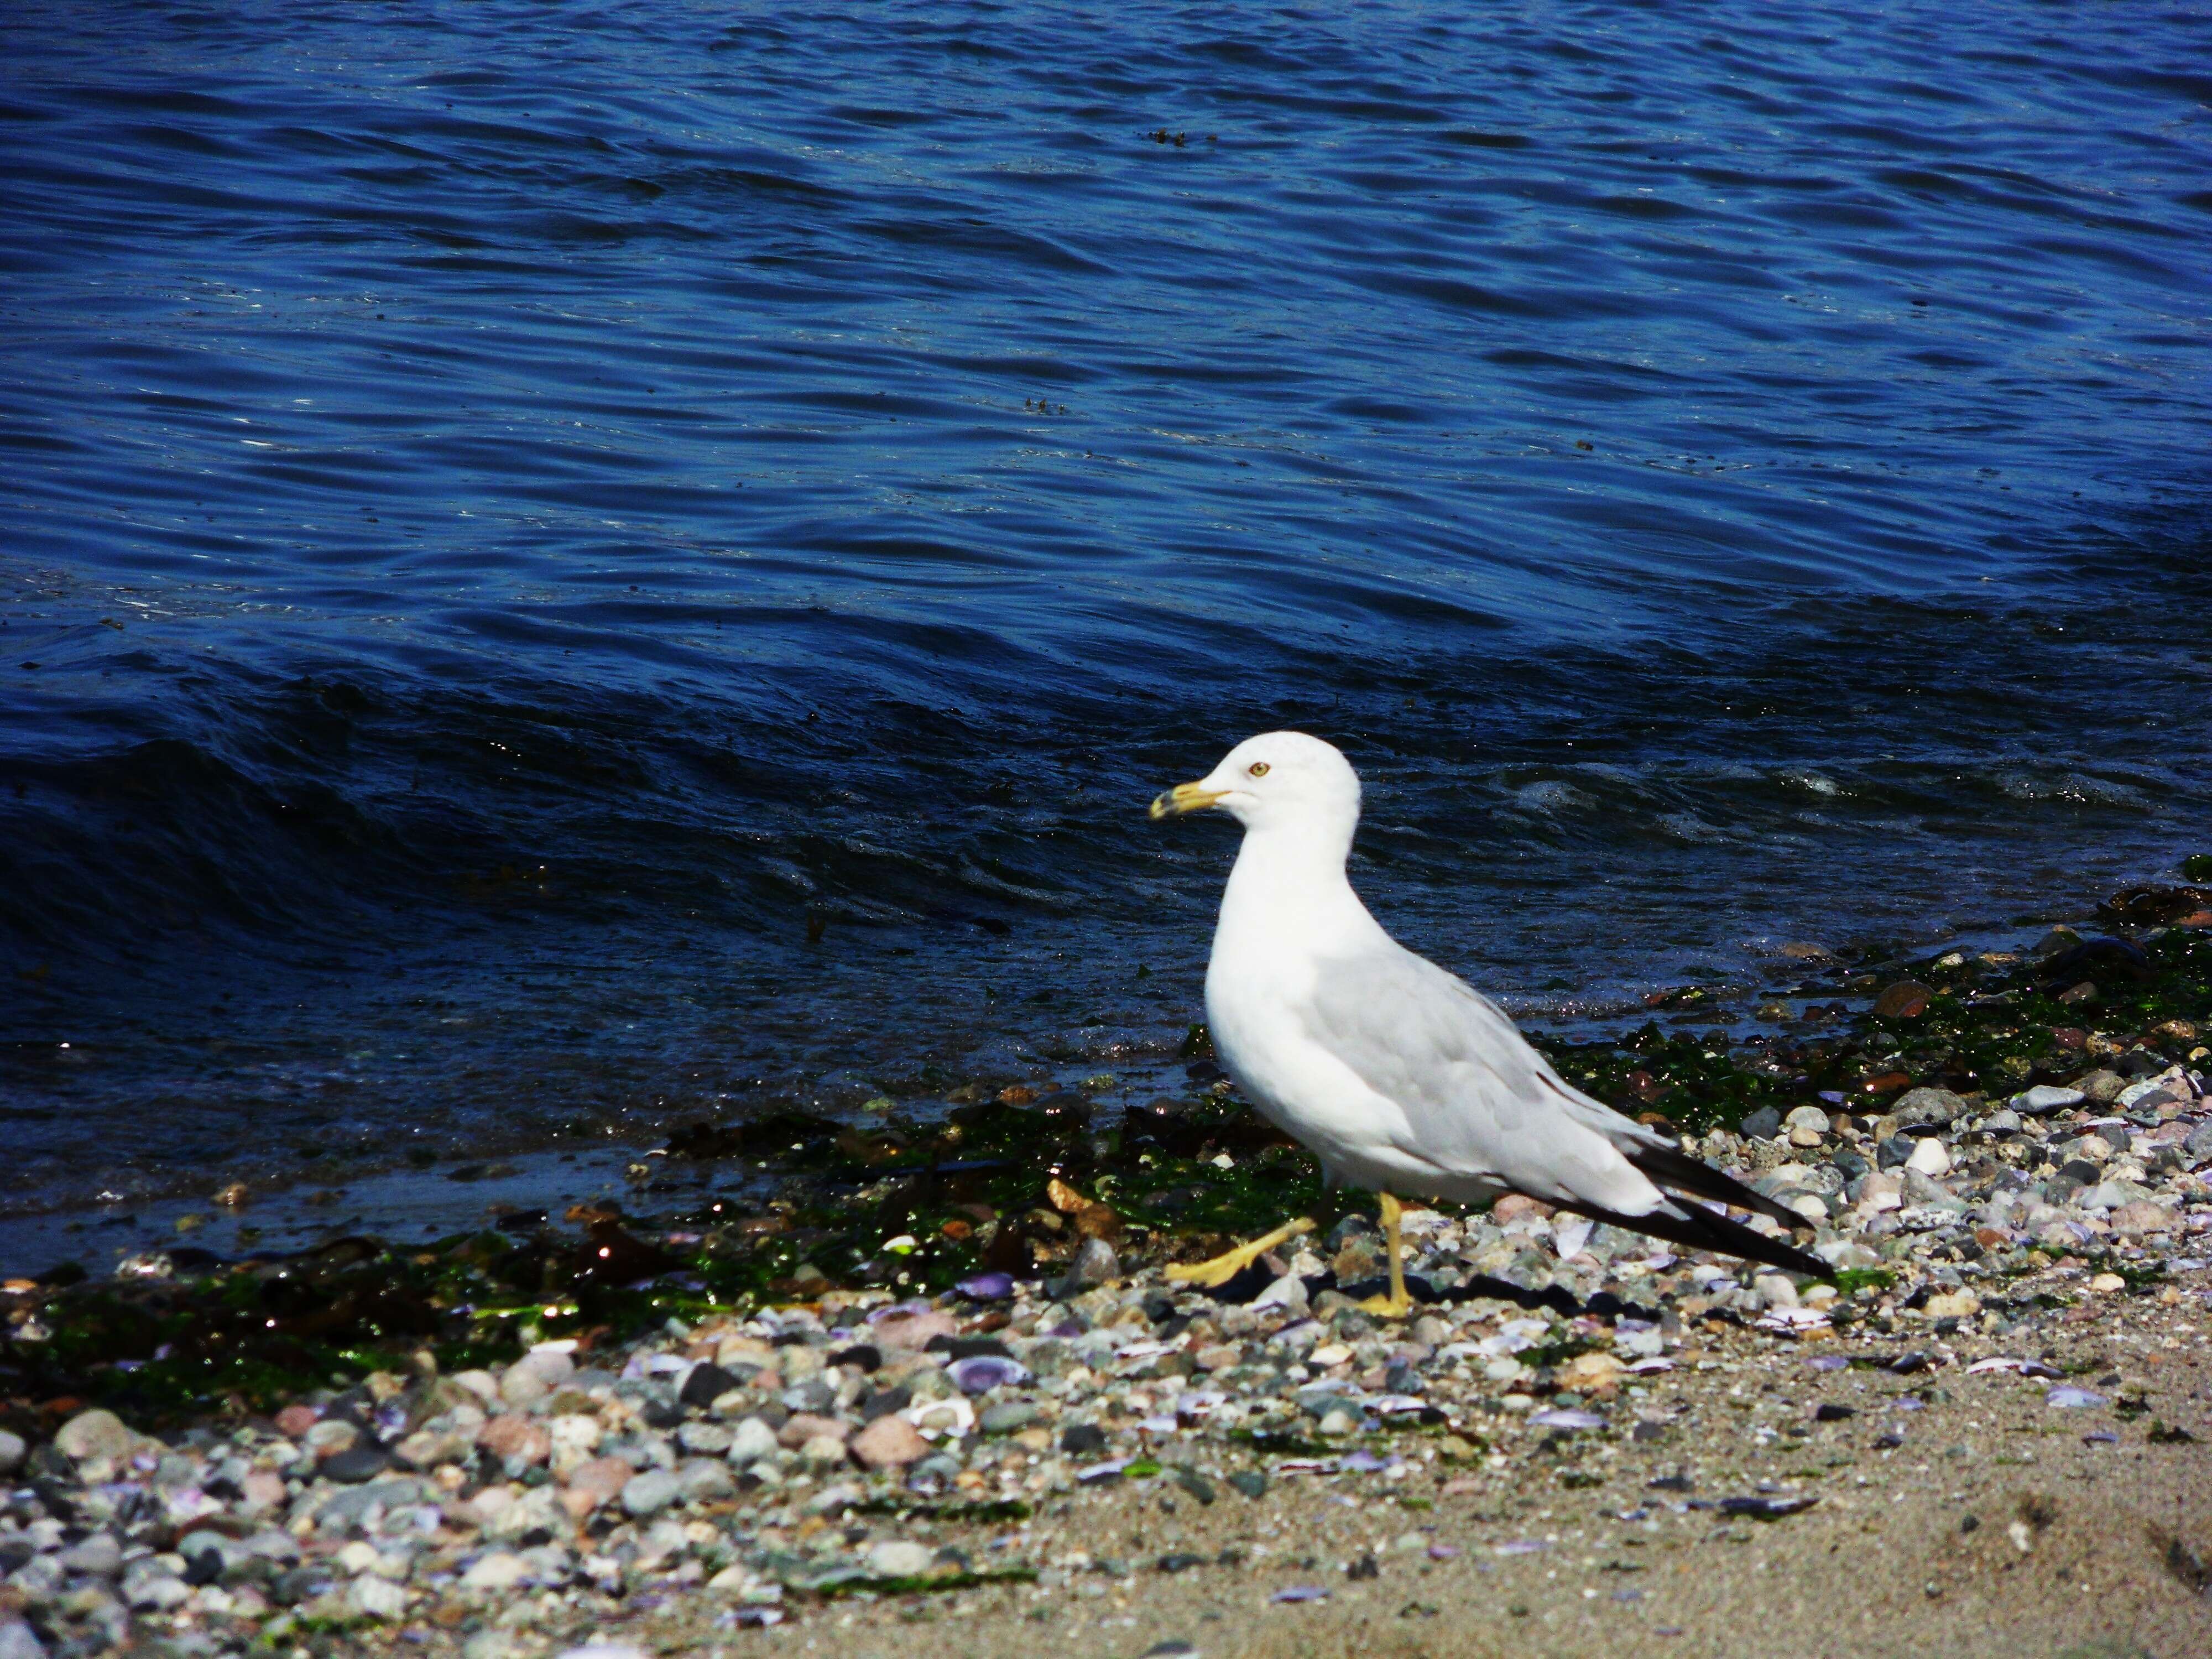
1992	1417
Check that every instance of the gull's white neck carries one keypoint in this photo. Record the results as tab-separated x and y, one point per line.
1288	893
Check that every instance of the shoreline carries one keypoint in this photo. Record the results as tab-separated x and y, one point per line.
230	1211
809	1376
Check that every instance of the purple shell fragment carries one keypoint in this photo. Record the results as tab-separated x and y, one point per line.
1300	1593
1566	1419
1364	1462
1826	1362
986	1287
981	1373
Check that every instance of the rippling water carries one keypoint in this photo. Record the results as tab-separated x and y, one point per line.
564	564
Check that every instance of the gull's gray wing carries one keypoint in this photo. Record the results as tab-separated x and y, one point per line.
1478	1099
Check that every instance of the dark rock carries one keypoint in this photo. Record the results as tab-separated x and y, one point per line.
1082	1439
362	1460
864	1355
298	1584
969	1347
1926	1109
1347	1229
1906	999
1894	1152
1181	1561
2150	906
883	1402
708	1384
1830	1411
1250	1482
1194	1483
1095	1264
1764	1124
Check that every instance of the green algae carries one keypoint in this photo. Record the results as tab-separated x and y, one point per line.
922	1194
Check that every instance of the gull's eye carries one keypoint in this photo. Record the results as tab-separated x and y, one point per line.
1258	769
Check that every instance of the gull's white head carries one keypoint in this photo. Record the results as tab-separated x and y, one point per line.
1278	779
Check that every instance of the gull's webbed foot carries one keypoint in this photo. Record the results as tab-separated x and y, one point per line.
1397	1304
1389	1307
1214	1275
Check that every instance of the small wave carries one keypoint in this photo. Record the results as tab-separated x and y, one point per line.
1689	827
1812	783
1552	796
2074	788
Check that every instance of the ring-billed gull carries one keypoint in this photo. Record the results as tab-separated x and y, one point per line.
1398	1076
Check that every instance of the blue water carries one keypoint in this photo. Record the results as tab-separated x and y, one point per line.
514	516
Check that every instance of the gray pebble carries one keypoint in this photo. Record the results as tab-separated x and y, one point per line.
19	1641
753	1440
11	1452
363	1461
1922	1108
705	1439
652	1491
99	1555
702	1480
1007	1417
1094	1264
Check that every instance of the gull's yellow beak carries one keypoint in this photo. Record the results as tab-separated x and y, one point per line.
1185	797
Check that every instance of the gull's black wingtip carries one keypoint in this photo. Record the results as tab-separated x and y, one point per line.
1666	1167
1701	1229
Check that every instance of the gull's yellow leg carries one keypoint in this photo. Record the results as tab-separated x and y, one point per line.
1397	1304
1213	1275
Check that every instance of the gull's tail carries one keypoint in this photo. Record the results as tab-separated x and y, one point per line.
1701	1229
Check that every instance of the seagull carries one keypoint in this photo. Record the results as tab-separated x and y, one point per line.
1401	1078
